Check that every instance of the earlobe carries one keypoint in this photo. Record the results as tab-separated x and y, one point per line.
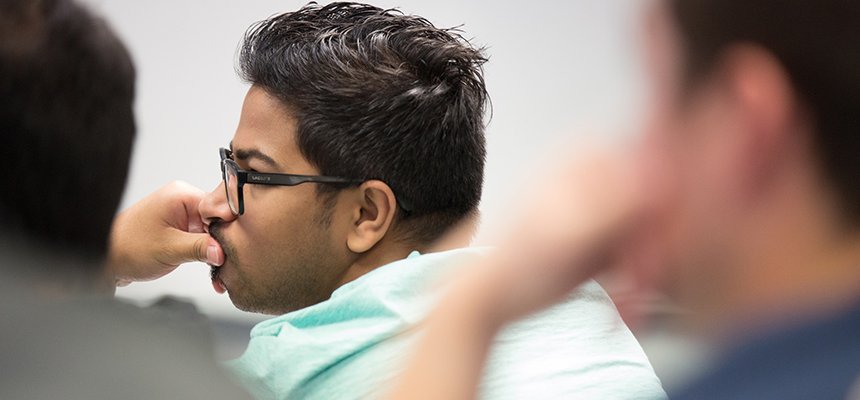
375	215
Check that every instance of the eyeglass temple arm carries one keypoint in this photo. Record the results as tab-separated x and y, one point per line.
292	180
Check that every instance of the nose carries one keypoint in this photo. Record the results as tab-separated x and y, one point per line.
213	207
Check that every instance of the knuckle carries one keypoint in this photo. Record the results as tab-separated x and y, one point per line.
199	250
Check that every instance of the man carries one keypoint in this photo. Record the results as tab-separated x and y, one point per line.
361	141
66	120
751	219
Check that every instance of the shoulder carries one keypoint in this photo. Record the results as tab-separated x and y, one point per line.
118	350
577	348
818	359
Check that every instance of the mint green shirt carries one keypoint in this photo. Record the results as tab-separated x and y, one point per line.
352	345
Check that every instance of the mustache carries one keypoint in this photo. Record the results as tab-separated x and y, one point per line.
216	231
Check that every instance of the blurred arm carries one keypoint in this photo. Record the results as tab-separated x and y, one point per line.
578	226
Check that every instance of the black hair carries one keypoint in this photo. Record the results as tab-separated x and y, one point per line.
67	87
380	95
816	41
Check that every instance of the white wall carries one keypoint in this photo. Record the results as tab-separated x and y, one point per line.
555	67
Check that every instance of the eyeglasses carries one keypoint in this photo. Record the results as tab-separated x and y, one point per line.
235	179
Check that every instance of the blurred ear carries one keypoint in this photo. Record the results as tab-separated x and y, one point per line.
765	107
373	215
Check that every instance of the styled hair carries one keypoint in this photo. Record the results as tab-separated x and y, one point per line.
816	41
380	95
67	87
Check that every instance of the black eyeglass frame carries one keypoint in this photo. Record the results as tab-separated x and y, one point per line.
273	179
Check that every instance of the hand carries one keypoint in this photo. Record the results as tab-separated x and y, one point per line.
160	232
574	225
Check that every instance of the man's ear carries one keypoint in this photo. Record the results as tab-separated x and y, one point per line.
767	108
373	215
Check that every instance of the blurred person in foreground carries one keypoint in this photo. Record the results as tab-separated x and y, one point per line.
67	88
742	204
360	142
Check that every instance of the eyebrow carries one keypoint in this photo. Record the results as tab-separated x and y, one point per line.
248	154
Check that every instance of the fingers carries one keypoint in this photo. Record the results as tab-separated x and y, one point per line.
189	198
195	223
214	253
191	201
201	247
160	232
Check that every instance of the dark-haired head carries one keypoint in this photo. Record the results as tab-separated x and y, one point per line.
67	85
816	43
380	95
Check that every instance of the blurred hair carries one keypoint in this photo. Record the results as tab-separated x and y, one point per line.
380	95
817	43
67	87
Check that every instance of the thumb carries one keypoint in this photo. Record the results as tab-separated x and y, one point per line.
188	247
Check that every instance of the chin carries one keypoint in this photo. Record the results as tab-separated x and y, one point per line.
254	307
240	303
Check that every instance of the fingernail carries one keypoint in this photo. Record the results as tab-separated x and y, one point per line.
212	255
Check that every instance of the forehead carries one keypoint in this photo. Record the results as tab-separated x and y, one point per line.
268	126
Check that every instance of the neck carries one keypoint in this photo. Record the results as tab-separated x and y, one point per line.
383	253
51	271
389	250
795	260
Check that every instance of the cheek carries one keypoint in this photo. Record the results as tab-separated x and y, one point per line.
683	168
706	194
276	221
662	173
663	162
709	163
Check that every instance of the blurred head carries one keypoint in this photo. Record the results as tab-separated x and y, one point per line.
353	91
755	126
67	85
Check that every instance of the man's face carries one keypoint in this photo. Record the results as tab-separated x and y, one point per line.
283	253
688	147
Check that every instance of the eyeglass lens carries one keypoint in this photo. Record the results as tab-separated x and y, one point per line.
232	186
